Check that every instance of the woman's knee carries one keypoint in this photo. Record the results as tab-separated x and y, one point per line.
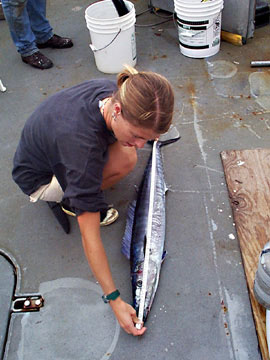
130	160
122	158
121	162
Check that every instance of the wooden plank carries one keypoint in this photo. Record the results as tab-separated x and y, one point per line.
247	175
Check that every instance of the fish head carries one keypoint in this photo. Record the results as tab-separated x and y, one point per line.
151	286
137	281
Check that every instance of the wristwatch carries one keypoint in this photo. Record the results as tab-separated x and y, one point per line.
112	296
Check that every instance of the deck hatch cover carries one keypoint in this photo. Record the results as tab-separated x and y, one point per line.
7	286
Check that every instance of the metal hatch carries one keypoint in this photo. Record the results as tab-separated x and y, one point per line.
7	288
10	302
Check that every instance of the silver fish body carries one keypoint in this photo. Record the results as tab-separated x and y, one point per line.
135	238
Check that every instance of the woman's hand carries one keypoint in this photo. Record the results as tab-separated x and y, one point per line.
126	317
96	256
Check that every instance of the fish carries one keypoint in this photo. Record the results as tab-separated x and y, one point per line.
144	237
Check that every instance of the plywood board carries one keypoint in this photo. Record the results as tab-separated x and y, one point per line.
247	175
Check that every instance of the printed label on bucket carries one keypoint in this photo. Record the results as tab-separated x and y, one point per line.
192	35
199	34
217	26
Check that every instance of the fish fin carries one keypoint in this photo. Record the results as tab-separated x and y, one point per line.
167	188
126	241
163	256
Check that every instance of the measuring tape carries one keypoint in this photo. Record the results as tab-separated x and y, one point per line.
148	235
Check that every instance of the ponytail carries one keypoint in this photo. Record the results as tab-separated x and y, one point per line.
125	74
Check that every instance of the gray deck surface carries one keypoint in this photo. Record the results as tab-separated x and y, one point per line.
202	309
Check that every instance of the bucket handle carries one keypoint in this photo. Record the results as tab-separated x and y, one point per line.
94	49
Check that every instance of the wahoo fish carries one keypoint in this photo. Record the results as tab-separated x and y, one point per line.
144	238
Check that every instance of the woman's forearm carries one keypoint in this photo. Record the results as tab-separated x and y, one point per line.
94	250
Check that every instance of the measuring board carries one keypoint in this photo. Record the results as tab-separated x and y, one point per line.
247	175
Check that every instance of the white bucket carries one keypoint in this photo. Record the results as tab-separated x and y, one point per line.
113	37
199	27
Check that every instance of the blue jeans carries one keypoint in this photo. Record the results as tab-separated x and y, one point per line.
27	24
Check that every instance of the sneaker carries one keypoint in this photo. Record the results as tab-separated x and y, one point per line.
56	42
107	217
38	60
67	209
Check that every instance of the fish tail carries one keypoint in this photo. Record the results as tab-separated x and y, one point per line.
171	136
167	142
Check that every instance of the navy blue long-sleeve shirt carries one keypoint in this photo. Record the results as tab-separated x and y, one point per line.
67	136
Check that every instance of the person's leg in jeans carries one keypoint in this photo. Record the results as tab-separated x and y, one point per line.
39	24
17	16
42	29
19	26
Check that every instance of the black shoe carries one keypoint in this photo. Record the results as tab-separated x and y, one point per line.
38	60
60	215
56	42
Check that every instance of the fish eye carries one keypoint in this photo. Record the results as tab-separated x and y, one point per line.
139	283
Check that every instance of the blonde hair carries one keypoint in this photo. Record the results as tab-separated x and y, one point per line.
146	99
